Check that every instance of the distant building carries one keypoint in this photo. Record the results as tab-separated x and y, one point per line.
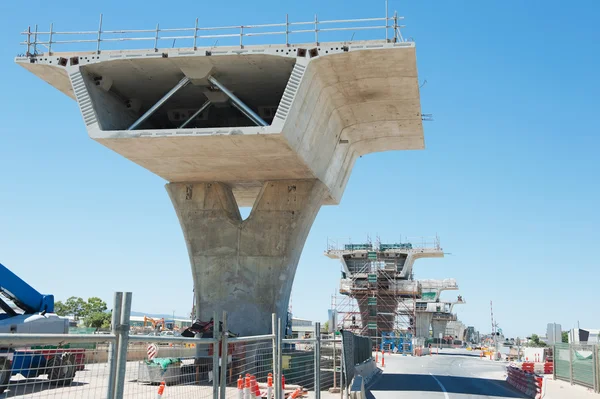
580	335
553	334
302	328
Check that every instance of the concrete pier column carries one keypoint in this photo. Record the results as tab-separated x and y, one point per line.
245	267
422	324
437	327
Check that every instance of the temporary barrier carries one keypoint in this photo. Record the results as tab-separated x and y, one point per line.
528	383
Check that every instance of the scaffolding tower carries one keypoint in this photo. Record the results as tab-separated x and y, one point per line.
376	281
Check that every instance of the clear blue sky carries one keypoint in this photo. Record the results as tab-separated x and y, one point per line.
509	179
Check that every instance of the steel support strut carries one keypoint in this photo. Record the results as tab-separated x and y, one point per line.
182	83
253	116
191	118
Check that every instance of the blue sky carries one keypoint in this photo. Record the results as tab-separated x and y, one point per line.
509	179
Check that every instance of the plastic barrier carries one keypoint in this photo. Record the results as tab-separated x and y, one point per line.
529	383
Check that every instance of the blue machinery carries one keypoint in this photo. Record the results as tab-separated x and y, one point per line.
23	295
401	343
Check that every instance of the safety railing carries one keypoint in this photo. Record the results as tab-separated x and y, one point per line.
200	36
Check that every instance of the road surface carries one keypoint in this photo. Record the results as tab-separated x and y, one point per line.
453	374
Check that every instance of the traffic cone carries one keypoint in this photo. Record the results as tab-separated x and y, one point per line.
282	386
247	387
240	387
270	386
382	362
161	389
296	394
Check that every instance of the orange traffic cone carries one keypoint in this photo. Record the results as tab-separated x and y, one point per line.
161	389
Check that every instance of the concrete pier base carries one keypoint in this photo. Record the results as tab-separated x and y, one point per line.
245	267
438	327
422	324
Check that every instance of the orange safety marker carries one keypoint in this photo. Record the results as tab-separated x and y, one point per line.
382	362
270	386
282	386
240	387
376	357
296	394
253	386
248	383
161	389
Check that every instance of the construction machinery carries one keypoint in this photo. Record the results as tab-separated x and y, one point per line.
25	311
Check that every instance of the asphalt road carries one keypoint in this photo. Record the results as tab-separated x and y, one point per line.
453	374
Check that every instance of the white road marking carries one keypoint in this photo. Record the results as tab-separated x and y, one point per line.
441	386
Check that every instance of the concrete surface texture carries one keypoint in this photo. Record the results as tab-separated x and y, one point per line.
438	327
324	110
422	324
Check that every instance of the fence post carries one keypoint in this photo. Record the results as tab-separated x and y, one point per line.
554	355
223	379
278	387
123	331
50	40
595	367
99	36
570	364
195	37
318	360
216	347
274	344
112	347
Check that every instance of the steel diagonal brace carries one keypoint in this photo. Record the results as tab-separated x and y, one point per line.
182	83
253	116
191	118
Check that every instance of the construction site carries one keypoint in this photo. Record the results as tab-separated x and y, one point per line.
379	296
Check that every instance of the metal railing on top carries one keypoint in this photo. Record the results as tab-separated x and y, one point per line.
192	35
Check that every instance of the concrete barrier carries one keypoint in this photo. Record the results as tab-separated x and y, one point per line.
357	389
367	370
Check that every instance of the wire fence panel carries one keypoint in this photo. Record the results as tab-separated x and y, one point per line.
252	359
330	364
583	364
298	364
59	370
186	370
562	363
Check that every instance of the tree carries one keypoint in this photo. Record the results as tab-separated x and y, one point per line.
535	341
94	305
75	306
565	337
60	308
326	326
98	320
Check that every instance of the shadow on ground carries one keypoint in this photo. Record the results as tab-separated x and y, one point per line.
34	385
452	384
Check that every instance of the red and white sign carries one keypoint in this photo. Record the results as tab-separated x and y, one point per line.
152	351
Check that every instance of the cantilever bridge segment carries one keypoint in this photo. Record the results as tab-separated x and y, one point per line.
277	127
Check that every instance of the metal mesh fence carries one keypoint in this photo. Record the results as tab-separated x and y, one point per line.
562	362
330	364
582	359
248	358
298	363
185	368
55	370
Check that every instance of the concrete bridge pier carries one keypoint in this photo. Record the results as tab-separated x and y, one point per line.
439	326
245	267
422	324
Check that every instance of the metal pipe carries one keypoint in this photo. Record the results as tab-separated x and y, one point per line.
112	347
156	39
223	379
123	344
50	40
21	340
395	26
318	360
99	35
278	390
28	40
215	372
241	36
255	338
171	340
274	344
195	33
253	116
182	83
316	30
35	40
287	30
202	108
386	20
